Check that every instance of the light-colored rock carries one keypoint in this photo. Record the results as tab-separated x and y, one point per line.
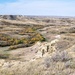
54	41
45	48
1	62
46	55
6	65
57	36
32	60
39	54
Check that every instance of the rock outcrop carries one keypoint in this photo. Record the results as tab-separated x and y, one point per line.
46	47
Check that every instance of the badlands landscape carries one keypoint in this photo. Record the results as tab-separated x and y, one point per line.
37	45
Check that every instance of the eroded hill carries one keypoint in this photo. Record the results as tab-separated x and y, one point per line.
32	45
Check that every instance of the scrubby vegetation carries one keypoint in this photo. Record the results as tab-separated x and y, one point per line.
23	43
33	36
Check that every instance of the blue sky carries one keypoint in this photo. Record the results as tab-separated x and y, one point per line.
38	7
5	1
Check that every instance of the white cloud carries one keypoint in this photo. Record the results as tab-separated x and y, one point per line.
39	7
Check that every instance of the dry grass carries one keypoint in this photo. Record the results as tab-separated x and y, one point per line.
23	34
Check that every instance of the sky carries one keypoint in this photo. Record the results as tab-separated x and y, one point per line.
38	7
